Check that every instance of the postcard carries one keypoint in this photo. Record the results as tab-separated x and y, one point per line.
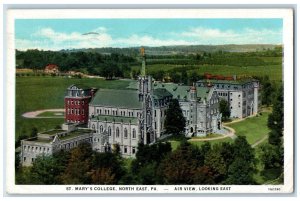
149	101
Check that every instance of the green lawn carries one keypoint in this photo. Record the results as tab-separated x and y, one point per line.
35	93
212	142
254	128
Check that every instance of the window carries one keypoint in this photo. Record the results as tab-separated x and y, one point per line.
93	126
72	102
82	102
125	133
24	159
133	150
68	102
98	111
125	149
82	111
68	111
117	132
134	133
109	131
101	129
71	111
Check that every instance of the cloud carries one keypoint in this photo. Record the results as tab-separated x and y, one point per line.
49	39
137	40
204	35
59	40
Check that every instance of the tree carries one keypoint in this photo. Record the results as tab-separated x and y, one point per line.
179	166
276	118
158	75
34	132
107	165
240	173
267	91
79	165
203	175
184	77
174	77
275	137
45	170
215	162
194	77
103	176
243	167
271	156
148	157
224	109
174	121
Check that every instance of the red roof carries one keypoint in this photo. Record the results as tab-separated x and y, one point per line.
51	67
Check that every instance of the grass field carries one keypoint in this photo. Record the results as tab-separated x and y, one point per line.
36	93
254	128
273	71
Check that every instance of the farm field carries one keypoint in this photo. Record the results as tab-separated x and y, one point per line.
36	93
273	71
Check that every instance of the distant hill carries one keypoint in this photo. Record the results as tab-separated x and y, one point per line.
180	49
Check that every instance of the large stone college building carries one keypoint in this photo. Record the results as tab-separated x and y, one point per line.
106	117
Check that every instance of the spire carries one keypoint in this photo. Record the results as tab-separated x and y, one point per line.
143	71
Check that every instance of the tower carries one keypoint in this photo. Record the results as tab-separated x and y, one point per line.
145	96
77	100
193	109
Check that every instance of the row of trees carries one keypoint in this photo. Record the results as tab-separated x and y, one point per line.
272	153
86	62
223	163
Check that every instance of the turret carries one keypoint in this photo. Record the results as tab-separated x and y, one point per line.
193	93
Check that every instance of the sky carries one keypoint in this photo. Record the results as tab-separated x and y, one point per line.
57	34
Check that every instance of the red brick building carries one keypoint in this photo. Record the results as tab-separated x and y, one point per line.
77	103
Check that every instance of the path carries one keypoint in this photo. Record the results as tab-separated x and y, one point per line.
259	141
230	134
34	114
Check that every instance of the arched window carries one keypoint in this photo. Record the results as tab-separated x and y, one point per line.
101	129
125	133
109	131
134	133
117	132
93	126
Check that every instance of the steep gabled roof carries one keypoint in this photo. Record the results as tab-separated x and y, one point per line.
182	91
117	98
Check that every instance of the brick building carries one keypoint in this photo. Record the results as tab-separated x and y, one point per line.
77	103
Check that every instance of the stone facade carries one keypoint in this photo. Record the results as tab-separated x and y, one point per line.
51	141
242	95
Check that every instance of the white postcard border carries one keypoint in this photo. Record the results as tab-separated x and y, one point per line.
288	77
